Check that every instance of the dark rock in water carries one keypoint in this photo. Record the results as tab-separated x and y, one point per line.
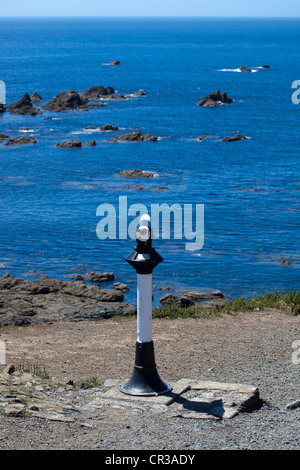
97	92
23	107
109	127
160	189
20	141
115	97
85	107
121	287
99	277
92	143
66	100
36	97
2	108
114	62
265	66
245	69
49	300
134	187
94	277
139	93
234	138
215	99
286	262
137	136
137	174
3	137
69	144
47	118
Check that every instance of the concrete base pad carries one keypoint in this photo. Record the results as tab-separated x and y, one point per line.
190	399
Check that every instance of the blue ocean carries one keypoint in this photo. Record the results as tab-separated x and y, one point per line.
249	188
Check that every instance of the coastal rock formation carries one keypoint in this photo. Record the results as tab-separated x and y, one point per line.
94	277
114	62
66	100
108	127
245	69
2	108
137	174
139	93
172	299
69	144
215	99
115	97
234	138
286	262
137	136
20	141
265	66
23	107
92	143
36	97
214	299
97	92
47	300
3	137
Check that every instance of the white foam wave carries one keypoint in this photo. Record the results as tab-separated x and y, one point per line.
237	70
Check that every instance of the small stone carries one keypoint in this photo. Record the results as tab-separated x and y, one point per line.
10	369
293	405
15	410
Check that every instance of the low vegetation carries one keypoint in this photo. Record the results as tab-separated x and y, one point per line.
288	302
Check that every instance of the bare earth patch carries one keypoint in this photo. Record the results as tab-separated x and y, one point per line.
252	348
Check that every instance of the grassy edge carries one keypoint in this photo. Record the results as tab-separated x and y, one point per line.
289	302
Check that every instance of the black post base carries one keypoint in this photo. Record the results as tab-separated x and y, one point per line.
145	380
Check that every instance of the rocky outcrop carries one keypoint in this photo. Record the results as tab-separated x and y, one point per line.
137	174
66	100
92	143
245	69
114	62
234	138
97	92
20	141
108	127
215	99
137	137
265	66
36	97
23	107
48	300
139	93
69	144
286	262
187	298
2	108
3	137
94	277
172	299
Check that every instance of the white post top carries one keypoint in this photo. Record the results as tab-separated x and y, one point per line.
145	217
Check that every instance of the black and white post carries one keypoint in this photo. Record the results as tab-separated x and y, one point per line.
145	380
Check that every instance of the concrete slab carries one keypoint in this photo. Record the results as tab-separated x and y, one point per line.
189	399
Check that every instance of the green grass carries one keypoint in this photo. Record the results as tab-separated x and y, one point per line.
288	302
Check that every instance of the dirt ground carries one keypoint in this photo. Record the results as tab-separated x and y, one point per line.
253	348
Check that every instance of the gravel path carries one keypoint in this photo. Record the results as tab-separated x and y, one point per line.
253	348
